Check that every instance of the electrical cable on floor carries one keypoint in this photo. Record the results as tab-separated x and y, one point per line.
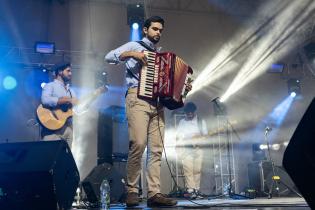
169	168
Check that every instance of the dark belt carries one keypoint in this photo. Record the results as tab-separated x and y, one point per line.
131	90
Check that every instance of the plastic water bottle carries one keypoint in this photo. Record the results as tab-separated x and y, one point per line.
226	189
105	195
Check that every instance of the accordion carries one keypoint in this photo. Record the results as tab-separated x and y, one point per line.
164	78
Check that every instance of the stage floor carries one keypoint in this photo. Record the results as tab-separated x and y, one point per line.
277	203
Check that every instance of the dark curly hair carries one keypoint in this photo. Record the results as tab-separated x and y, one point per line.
61	66
153	19
190	107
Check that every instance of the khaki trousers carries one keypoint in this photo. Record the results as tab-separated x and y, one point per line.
65	133
146	129
192	163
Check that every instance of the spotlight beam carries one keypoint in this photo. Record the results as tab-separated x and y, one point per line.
267	48
273	48
282	40
208	75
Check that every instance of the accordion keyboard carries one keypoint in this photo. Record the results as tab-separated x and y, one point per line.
149	76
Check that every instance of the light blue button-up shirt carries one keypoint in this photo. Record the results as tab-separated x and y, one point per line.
53	91
132	64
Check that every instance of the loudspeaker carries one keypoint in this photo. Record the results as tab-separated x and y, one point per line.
91	184
113	140
299	156
37	175
104	138
257	174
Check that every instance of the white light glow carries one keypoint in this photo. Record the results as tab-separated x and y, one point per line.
266	39
285	143
275	146
135	26
263	146
43	84
278	40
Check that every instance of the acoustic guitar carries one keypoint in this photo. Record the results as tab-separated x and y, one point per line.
54	119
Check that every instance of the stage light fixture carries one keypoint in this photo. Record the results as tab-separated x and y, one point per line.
276	68
45	47
294	87
219	108
293	94
135	14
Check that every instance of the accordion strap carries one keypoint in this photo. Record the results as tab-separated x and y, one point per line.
146	46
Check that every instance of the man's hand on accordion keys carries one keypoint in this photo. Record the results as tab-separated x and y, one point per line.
140	56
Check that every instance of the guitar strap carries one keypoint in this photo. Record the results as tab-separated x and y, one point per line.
70	93
68	90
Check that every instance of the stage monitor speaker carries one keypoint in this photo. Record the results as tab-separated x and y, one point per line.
112	135
257	174
91	184
299	156
37	175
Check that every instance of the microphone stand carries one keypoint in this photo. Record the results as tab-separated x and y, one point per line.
274	177
276	180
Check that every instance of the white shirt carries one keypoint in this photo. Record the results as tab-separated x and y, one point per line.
190	128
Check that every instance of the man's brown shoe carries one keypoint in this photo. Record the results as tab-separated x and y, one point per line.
160	200
132	199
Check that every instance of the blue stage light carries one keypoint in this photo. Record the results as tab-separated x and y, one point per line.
9	83
135	14
42	85
135	19
135	34
294	87
135	26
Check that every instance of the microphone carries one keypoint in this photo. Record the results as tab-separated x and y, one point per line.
158	49
215	99
267	130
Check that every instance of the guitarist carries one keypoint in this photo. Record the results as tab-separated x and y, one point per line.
190	135
58	95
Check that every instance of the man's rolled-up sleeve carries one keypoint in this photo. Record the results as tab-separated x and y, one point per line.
47	96
113	57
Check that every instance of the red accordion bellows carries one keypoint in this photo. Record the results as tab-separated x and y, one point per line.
164	77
